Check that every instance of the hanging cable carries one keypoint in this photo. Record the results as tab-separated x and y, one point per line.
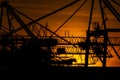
39	25
70	17
114	49
62	8
112	9
34	21
116	2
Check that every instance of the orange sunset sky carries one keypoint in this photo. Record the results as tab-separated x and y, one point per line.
77	25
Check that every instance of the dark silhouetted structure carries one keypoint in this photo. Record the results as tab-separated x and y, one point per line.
26	45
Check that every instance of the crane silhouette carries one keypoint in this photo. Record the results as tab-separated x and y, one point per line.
24	41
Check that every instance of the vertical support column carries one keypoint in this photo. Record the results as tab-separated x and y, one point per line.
10	28
88	36
87	49
105	34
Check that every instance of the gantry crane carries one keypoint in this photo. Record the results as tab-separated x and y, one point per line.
16	46
18	38
100	48
19	35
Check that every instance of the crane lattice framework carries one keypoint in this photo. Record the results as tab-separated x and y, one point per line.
100	47
97	43
19	33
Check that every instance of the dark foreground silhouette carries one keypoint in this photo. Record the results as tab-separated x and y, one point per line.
35	62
